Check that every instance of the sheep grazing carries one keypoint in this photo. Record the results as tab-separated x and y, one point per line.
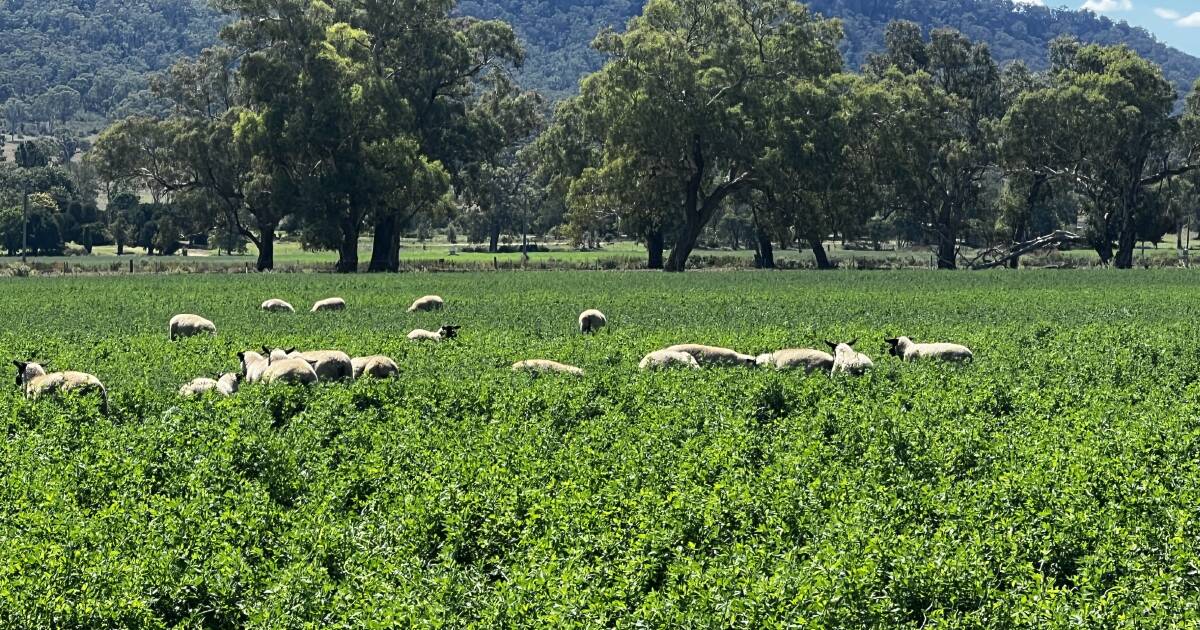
291	372
847	360
591	321
540	366
904	348
331	304
797	358
377	366
665	359
277	306
709	355
254	365
427	304
190	325
445	332
227	385
36	382
331	365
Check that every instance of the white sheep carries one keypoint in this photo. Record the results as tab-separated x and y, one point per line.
331	365
591	321
227	385
277	306
427	304
445	332
187	325
706	355
847	360
330	304
36	382
291	372
904	348
538	366
254	365
664	359
797	358
377	366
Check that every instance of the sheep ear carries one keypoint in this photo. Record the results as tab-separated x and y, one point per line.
289	350
20	365
893	341
853	342
832	345
241	356
266	350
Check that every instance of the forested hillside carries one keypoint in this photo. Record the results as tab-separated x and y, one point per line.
1012	33
88	61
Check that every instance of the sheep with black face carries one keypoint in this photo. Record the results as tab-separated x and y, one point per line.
847	360
904	348
37	383
443	333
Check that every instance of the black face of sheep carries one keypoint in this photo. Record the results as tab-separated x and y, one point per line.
449	332
20	372
894	350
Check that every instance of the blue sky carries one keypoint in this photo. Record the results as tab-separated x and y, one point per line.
1176	22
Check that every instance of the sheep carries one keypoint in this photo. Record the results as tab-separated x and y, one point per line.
331	365
36	382
277	306
663	359
804	358
227	385
427	304
716	356
445	332
591	321
187	325
849	361
331	304
904	348
538	366
377	366
291	372
254	365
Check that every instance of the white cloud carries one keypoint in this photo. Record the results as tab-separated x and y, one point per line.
1167	14
1032	3
1105	6
1191	21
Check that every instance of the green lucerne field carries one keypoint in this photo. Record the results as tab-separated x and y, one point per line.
1054	482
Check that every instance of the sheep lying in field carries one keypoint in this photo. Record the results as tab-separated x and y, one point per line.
591	321
445	332
227	385
291	372
36	382
904	348
377	366
538	366
330	304
254	365
277	306
664	359
797	358
847	360
710	355
331	365
427	304
188	325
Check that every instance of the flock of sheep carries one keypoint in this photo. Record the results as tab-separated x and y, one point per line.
280	366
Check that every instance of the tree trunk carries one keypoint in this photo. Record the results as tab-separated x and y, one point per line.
348	250
818	250
1126	243
381	247
266	247
654	249
685	242
1019	236
494	238
766	251
120	247
947	249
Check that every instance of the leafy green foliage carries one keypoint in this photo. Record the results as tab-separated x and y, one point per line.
1051	483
